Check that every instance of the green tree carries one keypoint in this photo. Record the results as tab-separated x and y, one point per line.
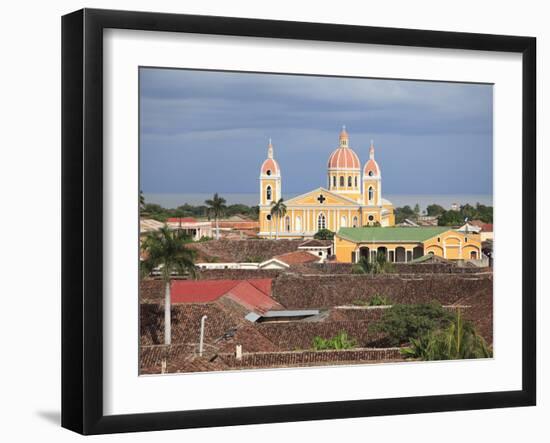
379	266
417	210
324	234
401	323
340	341
401	213
216	208
434	210
278	210
165	250
468	211
450	218
459	340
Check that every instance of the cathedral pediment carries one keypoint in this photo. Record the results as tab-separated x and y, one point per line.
320	197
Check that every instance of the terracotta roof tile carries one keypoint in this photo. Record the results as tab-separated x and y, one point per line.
297	257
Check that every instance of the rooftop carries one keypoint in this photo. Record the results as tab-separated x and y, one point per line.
253	294
297	257
379	234
314	243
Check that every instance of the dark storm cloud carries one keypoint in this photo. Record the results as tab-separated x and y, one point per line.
207	131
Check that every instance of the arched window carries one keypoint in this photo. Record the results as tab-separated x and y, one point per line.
298	224
349	181
287	223
333	181
355	221
371	193
321	222
268	193
343	221
355	181
342	180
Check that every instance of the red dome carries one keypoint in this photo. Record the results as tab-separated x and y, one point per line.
371	166
344	158
270	165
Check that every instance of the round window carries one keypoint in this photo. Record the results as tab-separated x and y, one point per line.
371	217
268	216
268	172
371	173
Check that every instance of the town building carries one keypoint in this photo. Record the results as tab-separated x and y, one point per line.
400	244
194	228
352	197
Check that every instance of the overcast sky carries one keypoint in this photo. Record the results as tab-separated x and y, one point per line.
204	131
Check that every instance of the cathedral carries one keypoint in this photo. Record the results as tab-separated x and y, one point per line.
352	198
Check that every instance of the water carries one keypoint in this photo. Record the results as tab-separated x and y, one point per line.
168	200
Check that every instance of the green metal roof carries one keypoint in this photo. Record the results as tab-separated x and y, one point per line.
393	234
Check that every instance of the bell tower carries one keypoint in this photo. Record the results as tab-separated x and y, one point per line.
270	179
372	181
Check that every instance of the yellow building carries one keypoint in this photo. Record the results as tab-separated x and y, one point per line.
352	198
405	244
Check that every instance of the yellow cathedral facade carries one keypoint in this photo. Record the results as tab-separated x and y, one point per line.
352	198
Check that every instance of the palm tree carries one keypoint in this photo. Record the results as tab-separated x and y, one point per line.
278	210
166	250
459	341
216	207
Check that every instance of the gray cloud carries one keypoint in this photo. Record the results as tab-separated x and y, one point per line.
197	121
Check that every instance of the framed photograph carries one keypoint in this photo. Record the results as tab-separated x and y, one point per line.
269	221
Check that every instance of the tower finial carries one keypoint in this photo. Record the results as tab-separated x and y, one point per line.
270	149
344	137
371	150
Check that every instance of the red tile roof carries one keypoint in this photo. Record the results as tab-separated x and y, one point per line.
252	298
263	284
487	227
297	257
252	294
200	291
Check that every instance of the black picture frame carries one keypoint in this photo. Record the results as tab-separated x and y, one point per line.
82	218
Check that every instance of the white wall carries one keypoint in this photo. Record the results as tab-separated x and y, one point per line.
30	216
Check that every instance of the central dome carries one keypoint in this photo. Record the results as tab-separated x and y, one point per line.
344	157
